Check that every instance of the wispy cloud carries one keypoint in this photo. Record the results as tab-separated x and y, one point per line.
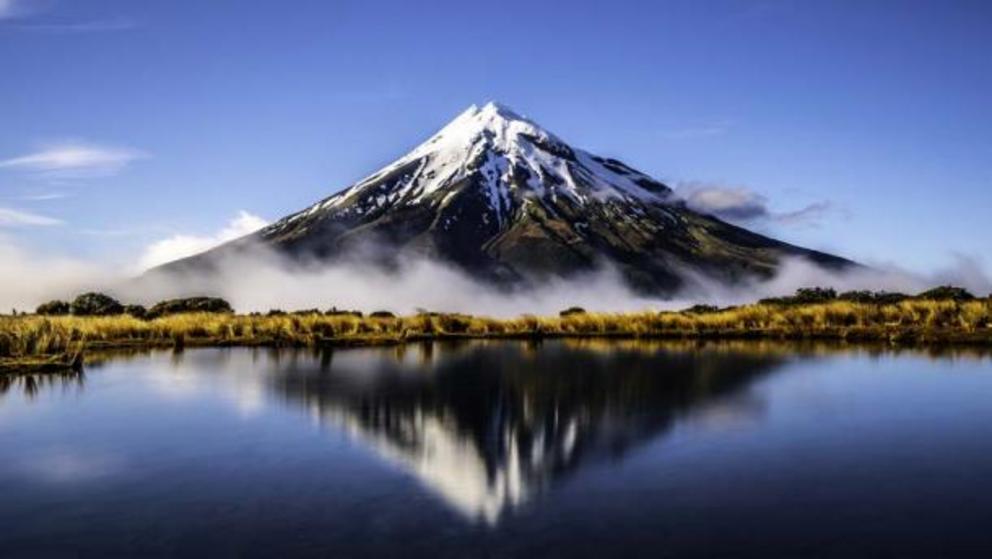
808	214
743	205
24	15
44	197
182	245
94	26
734	203
692	132
74	159
10	217
10	9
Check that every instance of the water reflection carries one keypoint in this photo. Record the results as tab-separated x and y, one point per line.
567	448
488	425
32	384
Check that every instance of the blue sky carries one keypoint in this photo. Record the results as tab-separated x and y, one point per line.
862	127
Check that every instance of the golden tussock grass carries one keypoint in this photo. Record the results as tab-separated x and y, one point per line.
911	321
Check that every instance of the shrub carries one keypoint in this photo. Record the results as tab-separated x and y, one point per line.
454	324
701	309
803	296
190	305
137	311
862	296
382	314
873	297
305	312
334	311
572	311
946	293
809	295
889	297
96	304
54	308
776	301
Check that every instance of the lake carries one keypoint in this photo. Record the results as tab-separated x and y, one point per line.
566	448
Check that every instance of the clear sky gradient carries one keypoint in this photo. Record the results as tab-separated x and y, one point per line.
123	122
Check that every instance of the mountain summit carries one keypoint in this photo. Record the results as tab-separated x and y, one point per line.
498	196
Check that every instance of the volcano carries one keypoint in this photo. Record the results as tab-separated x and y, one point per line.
501	198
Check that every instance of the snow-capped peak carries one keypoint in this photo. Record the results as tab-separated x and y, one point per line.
508	156
494	122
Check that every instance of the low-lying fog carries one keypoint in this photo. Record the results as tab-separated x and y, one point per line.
263	281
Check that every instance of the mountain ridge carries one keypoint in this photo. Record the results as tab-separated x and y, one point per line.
500	197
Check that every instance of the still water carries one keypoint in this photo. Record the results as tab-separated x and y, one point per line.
502	449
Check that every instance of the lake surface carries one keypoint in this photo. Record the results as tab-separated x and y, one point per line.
502	449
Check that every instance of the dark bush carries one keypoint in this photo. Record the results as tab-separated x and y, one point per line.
804	296
946	293
572	311
305	312
454	324
873	297
382	314
276	312
189	305
701	309
862	296
96	304
809	295
137	311
334	311
890	297
54	308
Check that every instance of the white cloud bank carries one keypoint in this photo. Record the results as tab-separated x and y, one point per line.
258	280
181	246
28	278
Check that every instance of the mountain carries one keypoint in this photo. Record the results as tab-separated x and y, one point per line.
500	197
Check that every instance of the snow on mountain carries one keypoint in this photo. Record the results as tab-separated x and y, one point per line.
495	142
501	198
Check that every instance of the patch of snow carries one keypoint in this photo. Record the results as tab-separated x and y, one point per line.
492	142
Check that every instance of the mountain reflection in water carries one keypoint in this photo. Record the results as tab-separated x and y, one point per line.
487	425
570	448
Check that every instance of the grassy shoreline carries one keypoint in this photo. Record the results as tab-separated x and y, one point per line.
39	343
